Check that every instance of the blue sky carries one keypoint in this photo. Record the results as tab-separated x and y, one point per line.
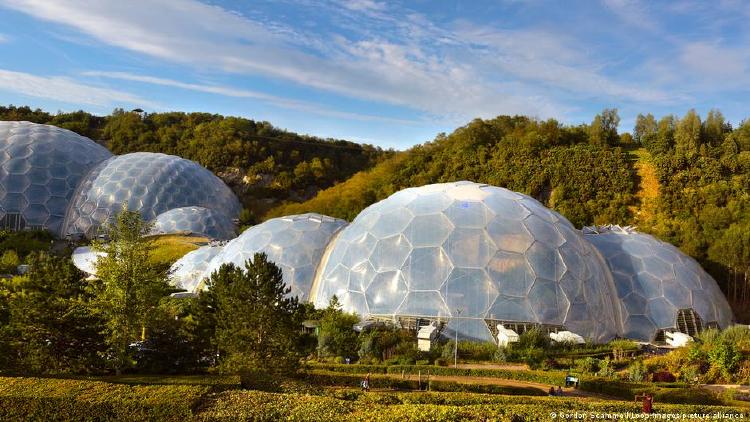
389	73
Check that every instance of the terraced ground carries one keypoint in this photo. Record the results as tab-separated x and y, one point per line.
221	398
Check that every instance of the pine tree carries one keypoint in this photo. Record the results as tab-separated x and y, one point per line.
257	323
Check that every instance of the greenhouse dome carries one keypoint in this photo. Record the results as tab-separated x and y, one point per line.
295	243
189	271
659	287
150	183
472	256
195	220
40	168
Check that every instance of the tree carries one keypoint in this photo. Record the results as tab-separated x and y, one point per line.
603	130
337	336
131	285
257	323
687	136
645	128
51	328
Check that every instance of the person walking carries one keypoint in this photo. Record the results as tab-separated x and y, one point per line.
366	383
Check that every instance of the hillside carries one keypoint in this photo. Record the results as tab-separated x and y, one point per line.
683	180
262	164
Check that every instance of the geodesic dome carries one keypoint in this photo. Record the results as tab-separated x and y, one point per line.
189	271
197	220
150	183
473	255
40	167
295	243
656	283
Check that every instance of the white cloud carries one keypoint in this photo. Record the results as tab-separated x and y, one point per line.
4	38
66	90
226	91
397	57
209	37
714	63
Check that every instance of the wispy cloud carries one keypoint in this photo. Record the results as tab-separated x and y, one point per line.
404	74
226	91
633	12
4	38
67	90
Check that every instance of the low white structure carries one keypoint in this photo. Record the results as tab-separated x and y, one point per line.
677	339
426	336
84	258
505	336
566	337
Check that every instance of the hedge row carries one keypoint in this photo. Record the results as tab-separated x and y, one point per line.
438	407
542	377
382	381
50	399
676	393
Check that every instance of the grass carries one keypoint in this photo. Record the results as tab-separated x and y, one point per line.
171	247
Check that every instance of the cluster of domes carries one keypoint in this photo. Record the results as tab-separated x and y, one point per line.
473	256
467	255
54	179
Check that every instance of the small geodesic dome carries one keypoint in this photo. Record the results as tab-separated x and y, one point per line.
40	168
150	183
189	271
295	243
659	287
472	255
195	220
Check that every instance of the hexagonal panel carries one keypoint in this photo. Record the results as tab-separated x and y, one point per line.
428	230
386	293
427	268
512	273
470	248
469	290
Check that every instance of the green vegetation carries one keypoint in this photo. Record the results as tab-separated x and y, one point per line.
169	248
218	399
257	325
258	160
131	286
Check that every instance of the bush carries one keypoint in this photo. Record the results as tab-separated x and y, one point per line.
63	400
441	362
589	365
637	371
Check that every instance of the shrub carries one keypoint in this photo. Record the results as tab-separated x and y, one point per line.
637	371
441	362
589	365
58	399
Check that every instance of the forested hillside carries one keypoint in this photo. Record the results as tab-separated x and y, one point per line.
685	180
262	163
588	173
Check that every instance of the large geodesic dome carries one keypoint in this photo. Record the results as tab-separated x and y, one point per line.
195	220
294	243
150	183
40	167
659	287
472	255
189	271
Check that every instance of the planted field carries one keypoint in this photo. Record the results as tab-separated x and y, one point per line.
215	398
